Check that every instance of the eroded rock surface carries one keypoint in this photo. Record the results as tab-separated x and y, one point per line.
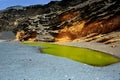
62	20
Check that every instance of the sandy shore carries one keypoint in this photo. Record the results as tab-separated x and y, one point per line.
2	40
96	46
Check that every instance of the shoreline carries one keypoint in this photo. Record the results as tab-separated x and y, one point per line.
107	48
115	51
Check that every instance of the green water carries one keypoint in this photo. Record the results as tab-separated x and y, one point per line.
83	55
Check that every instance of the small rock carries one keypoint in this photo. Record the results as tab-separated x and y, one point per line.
30	59
113	45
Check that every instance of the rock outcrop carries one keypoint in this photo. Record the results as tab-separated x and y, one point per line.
64	20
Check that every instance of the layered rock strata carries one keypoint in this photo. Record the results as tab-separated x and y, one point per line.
63	20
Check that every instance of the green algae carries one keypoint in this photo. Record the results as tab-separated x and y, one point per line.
83	55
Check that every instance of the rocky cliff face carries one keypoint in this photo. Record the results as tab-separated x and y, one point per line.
64	20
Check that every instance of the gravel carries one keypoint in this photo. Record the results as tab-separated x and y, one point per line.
21	62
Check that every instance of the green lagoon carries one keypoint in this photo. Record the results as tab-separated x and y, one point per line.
83	55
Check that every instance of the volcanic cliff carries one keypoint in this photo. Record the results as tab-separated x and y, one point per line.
64	20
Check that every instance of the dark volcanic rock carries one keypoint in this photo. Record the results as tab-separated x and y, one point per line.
7	35
62	19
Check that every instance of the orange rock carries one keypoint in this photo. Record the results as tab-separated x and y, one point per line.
19	35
